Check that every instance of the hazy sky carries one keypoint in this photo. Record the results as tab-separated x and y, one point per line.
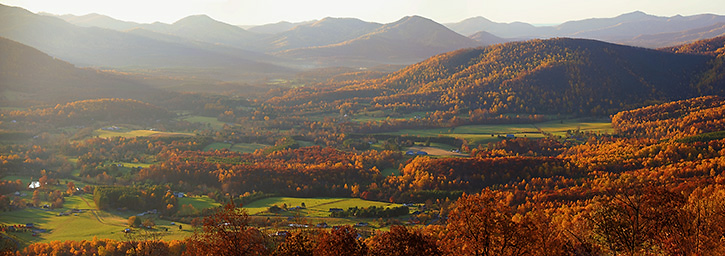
254	12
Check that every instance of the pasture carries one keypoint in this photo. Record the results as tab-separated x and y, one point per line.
484	133
89	222
130	133
211	122
315	207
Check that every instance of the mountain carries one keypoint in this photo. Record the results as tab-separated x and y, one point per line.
470	26
631	28
599	24
678	38
31	77
97	20
204	28
95	46
713	47
637	24
324	32
276	28
408	40
486	38
573	76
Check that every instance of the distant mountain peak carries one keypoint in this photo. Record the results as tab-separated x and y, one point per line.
635	15
414	18
199	18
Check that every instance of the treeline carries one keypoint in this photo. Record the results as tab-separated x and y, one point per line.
673	120
371	212
89	111
136	198
309	171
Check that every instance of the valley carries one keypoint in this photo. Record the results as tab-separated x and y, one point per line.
339	136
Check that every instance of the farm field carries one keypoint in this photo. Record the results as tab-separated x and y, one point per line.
316	207
130	133
212	122
83	225
200	202
483	133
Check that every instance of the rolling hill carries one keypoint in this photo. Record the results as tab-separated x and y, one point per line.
487	39
473	25
31	77
93	46
276	28
407	40
636	28
97	20
573	76
324	32
205	29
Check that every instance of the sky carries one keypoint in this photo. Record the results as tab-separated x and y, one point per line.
258	12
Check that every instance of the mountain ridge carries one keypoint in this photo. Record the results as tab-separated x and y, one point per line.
399	41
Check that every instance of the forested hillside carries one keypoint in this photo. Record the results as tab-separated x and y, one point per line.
558	75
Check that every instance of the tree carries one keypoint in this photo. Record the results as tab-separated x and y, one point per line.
227	232
634	218
481	224
36	198
400	241
71	188
298	244
148	223
340	241
134	221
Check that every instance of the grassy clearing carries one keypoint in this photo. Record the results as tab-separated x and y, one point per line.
560	127
483	133
248	147
199	202
86	225
389	172
217	146
316	207
212	122
130	133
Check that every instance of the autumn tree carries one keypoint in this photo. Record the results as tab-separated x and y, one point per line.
400	241
481	224
699	229
227	232
635	218
298	244
340	241
134	221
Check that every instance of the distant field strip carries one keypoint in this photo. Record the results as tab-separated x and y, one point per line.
483	133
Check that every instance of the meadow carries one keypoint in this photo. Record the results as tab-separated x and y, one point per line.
484	133
84	222
315	207
130	133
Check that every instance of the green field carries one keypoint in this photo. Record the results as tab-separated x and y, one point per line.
484	133
85	225
316	207
130	133
211	121
90	222
199	202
